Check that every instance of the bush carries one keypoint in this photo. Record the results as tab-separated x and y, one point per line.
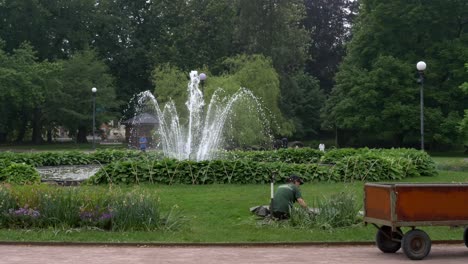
19	173
368	166
169	171
251	167
37	159
290	155
64	207
135	211
60	207
7	202
338	210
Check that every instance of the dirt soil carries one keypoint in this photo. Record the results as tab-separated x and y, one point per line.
37	254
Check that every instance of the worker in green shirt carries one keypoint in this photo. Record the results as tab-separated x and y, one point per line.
286	195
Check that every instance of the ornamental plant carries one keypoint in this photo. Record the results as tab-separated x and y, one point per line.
74	207
19	173
99	217
23	217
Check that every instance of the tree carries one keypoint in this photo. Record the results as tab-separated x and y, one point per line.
25	92
463	126
309	99
329	25
55	28
135	37
376	92
80	73
171	84
256	73
273	28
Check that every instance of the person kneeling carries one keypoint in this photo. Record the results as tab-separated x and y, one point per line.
285	196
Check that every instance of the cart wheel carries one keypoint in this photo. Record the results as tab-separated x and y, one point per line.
384	240
465	236
416	244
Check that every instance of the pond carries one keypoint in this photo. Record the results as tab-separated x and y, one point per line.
70	173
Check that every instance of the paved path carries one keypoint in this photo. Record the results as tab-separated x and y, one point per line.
22	254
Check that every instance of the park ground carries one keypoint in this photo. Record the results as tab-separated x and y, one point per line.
320	254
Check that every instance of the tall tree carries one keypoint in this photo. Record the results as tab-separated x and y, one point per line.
54	28
273	28
27	90
80	73
137	36
256	73
463	126
376	87
329	24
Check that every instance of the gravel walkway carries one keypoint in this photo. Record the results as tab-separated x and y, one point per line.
23	254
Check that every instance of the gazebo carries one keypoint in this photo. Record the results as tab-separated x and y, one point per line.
139	126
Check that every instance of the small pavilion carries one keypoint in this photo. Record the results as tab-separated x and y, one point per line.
138	126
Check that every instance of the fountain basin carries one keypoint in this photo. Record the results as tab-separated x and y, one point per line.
67	175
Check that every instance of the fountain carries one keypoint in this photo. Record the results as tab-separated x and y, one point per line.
201	135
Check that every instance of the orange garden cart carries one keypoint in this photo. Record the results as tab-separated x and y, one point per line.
389	207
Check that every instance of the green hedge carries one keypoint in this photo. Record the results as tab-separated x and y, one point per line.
168	171
128	166
18	173
364	167
38	159
291	155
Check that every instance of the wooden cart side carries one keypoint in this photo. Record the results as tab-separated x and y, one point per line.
431	203
378	200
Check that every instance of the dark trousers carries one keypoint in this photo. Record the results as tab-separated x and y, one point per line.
281	215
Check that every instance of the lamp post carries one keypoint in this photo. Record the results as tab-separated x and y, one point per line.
202	77
94	90
421	66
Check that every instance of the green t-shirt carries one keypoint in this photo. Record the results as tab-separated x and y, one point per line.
285	197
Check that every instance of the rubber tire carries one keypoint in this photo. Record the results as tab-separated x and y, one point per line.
465	236
383	241
416	244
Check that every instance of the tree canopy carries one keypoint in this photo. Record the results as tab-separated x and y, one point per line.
377	91
321	67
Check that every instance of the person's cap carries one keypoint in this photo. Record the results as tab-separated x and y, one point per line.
295	178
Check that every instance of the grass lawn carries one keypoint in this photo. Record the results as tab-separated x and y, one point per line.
453	163
220	213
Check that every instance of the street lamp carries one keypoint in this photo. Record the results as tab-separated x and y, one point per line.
94	90
202	77
421	66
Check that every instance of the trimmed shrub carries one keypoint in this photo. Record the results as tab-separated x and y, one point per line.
19	173
364	167
170	171
126	166
290	155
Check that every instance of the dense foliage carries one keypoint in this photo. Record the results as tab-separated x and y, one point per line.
63	208
235	167
38	159
53	52
260	167
18	173
338	210
376	97
116	45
